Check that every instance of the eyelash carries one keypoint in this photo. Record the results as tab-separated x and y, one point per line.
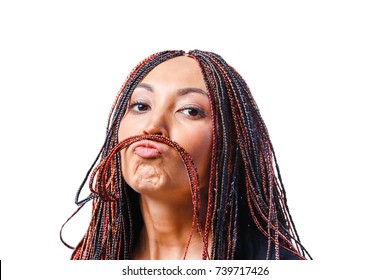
200	113
137	103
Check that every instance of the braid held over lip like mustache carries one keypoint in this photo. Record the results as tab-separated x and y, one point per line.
102	177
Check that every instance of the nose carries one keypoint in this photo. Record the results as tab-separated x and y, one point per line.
157	124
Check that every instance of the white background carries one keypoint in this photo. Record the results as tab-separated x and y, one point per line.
319	71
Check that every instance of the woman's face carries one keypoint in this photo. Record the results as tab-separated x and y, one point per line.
171	101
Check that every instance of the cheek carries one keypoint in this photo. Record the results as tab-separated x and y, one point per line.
122	132
124	165
198	144
127	128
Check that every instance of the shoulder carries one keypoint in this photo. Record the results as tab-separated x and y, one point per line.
253	245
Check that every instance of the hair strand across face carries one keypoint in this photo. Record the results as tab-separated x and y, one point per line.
247	214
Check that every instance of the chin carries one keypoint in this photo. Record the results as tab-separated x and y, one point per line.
145	185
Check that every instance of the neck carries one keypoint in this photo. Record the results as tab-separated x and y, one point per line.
167	228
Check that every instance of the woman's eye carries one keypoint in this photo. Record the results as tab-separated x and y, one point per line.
139	107
193	112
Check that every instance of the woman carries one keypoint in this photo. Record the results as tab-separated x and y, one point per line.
187	170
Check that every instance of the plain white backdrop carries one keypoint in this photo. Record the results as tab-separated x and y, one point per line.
319	71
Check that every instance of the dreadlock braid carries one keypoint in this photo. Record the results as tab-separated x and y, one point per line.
242	139
113	234
245	185
104	221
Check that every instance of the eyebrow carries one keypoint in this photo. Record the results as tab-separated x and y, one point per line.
182	91
145	86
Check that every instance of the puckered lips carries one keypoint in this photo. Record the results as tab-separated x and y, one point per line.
148	149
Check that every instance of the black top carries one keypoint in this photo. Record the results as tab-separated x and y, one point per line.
252	245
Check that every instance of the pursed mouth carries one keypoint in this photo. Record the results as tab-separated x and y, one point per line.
148	149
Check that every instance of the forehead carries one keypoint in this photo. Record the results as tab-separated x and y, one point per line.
182	71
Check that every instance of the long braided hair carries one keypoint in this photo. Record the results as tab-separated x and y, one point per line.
245	187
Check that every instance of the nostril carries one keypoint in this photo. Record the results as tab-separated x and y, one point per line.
153	133
156	129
